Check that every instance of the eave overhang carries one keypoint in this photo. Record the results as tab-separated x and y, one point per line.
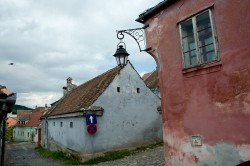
143	17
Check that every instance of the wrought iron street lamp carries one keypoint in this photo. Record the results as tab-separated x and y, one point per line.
121	54
138	35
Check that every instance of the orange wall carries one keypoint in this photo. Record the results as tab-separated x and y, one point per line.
11	121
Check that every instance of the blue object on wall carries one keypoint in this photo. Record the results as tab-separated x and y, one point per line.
91	119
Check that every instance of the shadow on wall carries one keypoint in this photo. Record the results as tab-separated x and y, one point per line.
247	163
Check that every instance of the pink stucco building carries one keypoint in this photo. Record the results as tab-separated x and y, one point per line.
202	50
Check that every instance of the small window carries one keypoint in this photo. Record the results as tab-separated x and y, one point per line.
61	124
198	40
71	124
118	89
54	123
28	134
138	90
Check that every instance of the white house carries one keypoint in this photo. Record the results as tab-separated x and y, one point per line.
125	109
27	126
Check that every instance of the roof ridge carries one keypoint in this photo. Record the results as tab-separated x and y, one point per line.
85	94
98	76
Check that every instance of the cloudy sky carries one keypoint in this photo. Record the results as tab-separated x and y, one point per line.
51	40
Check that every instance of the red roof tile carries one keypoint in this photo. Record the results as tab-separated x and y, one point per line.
145	76
33	118
86	94
153	80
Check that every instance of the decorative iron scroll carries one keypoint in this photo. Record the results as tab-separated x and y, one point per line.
137	34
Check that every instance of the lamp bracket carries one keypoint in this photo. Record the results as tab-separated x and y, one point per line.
137	34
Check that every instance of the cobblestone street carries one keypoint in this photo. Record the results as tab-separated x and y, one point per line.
23	154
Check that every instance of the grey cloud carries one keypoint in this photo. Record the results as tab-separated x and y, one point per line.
50	41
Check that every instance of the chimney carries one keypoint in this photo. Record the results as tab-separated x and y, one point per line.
64	90
69	81
69	86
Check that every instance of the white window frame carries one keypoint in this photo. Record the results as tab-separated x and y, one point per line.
196	38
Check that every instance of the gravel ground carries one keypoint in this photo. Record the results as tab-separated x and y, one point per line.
151	157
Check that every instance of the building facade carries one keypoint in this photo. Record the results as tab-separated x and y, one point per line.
203	56
27	126
125	109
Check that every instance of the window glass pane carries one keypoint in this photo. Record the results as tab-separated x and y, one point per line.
203	21
190	58
187	29
207	53
188	43
205	37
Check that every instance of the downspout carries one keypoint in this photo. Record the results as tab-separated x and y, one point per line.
46	130
3	139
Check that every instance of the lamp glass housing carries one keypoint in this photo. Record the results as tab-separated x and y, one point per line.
121	56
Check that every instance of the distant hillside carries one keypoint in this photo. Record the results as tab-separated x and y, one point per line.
19	107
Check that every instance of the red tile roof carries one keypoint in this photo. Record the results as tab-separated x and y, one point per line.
145	76
153	80
86	94
23	114
33	118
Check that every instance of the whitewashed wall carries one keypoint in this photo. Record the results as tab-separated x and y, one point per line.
129	119
25	134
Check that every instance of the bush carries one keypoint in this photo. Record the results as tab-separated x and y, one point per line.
9	134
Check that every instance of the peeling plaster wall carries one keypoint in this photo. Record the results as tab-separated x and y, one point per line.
129	119
213	102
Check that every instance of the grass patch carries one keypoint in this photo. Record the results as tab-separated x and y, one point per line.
64	158
151	146
108	156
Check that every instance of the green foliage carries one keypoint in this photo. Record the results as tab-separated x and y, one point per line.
9	134
19	107
151	146
64	158
108	156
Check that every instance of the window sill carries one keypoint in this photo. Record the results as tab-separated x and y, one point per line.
202	69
